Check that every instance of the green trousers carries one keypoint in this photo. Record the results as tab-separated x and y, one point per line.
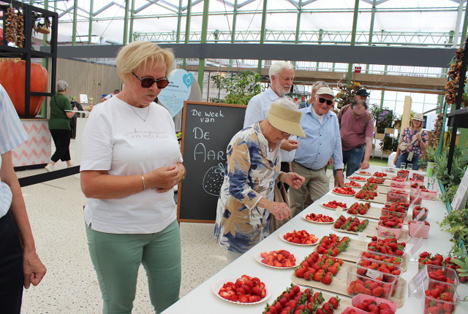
117	257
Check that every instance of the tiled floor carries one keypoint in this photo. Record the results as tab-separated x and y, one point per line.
70	286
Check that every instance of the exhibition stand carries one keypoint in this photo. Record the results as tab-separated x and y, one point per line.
204	298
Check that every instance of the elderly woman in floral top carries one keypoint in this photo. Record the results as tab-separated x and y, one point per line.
417	147
252	168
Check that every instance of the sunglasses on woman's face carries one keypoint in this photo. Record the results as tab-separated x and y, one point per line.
147	82
329	102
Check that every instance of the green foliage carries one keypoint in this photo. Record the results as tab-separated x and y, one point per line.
456	222
451	181
240	87
347	93
463	270
429	156
388	120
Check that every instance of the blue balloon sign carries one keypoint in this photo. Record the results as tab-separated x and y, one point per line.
178	90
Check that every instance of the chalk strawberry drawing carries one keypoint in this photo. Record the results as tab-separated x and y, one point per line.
213	180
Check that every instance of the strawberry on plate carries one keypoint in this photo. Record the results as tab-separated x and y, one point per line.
245	290
357	178
301	237
334	205
364	173
318	218
353	184
280	259
346	191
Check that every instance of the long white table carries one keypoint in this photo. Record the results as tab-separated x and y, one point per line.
203	300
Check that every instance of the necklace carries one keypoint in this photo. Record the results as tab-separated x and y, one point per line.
147	112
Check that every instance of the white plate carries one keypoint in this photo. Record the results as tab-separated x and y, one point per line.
345	195
316	222
281	235
258	257
219	284
359	180
331	208
365	174
353	187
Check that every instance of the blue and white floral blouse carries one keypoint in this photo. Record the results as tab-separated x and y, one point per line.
250	173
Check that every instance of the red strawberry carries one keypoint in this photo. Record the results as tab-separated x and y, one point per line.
377	292
327	279
335	302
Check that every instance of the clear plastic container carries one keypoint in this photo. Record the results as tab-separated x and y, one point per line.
351	309
386	232
376	265
443	288
451	274
358	276
416	212
397	184
397	196
396	260
418	229
429	195
361	297
396	207
389	213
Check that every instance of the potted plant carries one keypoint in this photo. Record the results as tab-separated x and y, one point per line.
240	87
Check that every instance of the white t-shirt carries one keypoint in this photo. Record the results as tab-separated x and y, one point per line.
117	139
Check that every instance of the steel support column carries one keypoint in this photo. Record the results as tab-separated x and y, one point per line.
353	40
179	21
132	18
75	16
465	25
262	34
234	25
371	28
201	62
187	29
125	31
298	24
90	22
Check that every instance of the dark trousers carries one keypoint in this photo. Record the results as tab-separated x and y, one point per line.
285	168
11	267
62	145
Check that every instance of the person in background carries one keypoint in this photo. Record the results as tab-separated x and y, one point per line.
130	163
361	94
303	103
418	147
321	143
252	167
281	77
19	263
357	133
59	126
317	85
109	96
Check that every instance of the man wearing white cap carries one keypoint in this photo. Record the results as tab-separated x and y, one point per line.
322	142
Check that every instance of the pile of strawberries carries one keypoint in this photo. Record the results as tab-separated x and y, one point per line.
399	178
369	186
300	237
364	173
403	174
335	204
396	260
439	299
359	208
352	184
418	177
376	180
319	218
426	258
417	185
246	289
376	287
333	245
379	174
319	268
391	222
293	300
387	268
371	306
344	191
280	258
400	207
366	195
440	275
417	210
397	196
358	178
388	246
351	224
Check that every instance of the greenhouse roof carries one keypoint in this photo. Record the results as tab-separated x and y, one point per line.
441	19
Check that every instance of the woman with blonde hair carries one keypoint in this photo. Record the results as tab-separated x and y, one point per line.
130	163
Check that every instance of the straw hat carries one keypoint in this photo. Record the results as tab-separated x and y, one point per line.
418	117
286	119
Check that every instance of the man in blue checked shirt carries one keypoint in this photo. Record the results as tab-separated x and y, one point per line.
322	142
19	263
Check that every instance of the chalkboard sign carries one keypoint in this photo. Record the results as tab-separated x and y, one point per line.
207	129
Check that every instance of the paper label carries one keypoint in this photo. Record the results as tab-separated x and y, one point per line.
373	273
416	247
419	216
417	281
460	197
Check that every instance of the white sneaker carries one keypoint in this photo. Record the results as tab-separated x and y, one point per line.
49	167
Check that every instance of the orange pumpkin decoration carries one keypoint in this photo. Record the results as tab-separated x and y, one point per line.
12	78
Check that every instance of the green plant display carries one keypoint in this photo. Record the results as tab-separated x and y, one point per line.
346	94
456	222
452	181
240	87
388	120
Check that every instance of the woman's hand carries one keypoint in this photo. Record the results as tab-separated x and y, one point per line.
163	179
395	160
292	179
279	210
